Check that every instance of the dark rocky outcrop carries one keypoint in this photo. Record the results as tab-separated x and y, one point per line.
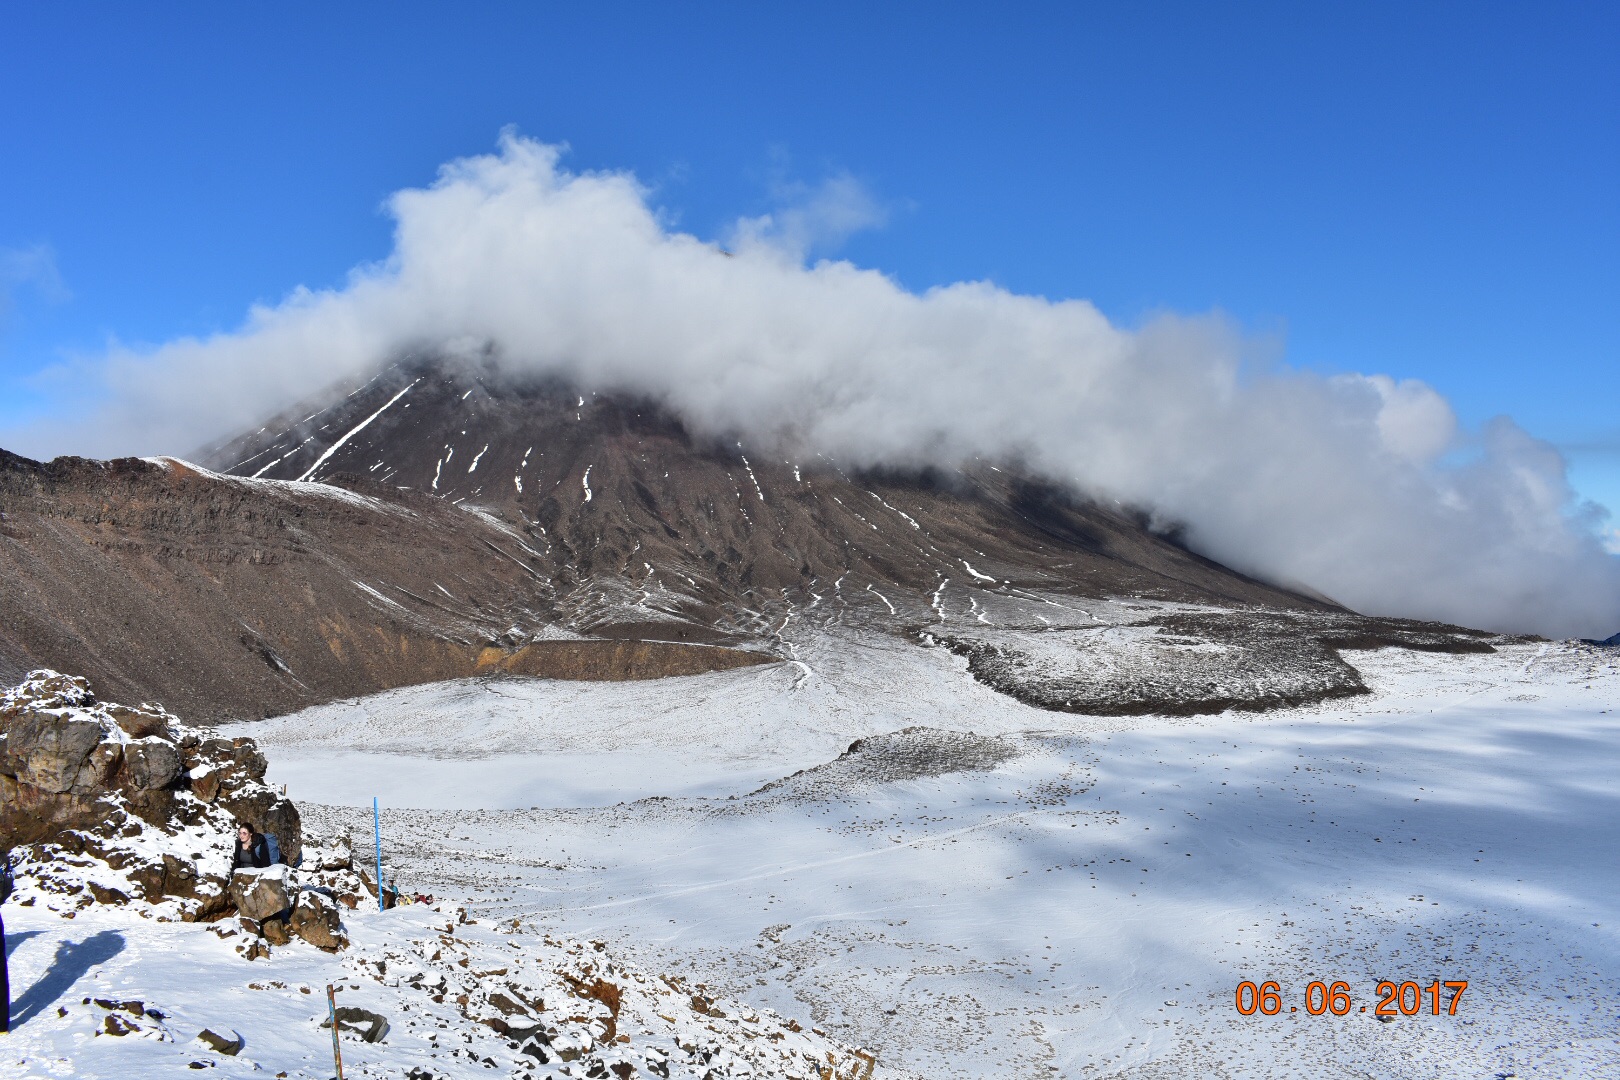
1181	663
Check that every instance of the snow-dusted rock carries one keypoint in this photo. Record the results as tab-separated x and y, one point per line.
153	763
333	853
371	1027
229	1045
260	894
316	920
50	751
108	801
275	932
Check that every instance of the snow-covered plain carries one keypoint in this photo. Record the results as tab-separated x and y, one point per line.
982	888
1062	895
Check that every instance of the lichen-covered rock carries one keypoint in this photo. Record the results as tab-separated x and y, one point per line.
51	751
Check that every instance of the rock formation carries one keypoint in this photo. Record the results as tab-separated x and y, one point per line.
72	764
105	803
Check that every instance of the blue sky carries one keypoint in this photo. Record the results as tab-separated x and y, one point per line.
1426	190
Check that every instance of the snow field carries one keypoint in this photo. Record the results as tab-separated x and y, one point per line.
1083	905
1054	895
417	966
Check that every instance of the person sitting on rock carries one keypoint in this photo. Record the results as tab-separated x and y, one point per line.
251	850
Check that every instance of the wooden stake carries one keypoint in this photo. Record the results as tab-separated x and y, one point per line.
331	1009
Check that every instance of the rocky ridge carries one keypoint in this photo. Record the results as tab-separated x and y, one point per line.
1183	662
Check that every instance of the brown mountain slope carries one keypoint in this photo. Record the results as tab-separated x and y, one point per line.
228	598
617	490
440	521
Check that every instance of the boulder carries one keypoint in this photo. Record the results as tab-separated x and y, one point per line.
51	751
206	786
241	753
260	894
337	854
315	919
96	775
30	816
507	1006
245	752
209	893
179	877
370	1026
275	931
147	876
142	722
153	763
105	894
229	1046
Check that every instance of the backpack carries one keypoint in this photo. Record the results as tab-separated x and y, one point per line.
273	847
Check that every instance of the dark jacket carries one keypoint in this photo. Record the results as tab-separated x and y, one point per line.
257	854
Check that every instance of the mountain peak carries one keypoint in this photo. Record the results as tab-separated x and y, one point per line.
441	520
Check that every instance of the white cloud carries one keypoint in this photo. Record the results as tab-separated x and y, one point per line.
811	220
1342	484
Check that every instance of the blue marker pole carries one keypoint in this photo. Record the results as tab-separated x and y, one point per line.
376	823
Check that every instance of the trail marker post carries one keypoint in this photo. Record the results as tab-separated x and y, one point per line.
331	1011
376	824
